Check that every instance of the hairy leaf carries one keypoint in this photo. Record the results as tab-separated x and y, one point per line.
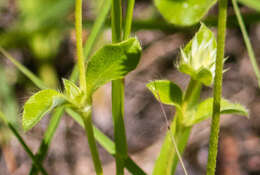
112	62
39	105
204	110
169	93
183	12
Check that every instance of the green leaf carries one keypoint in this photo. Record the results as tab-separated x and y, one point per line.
204	110
39	105
254	4
72	91
169	93
112	62
183	12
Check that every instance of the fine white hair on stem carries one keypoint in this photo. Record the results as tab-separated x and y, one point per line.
163	114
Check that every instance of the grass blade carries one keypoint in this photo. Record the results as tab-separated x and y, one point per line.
24	70
24	145
8	98
43	149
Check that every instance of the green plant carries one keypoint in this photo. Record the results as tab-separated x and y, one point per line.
198	61
110	62
202	59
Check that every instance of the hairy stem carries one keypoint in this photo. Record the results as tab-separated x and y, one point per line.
97	26
167	161
86	117
81	63
214	133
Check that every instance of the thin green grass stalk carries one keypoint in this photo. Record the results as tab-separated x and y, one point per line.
97	26
43	149
214	133
247	41
128	18
24	145
118	94
24	70
87	119
81	63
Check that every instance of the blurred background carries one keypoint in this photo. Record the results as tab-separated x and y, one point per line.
40	35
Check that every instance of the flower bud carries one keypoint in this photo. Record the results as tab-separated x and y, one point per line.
199	56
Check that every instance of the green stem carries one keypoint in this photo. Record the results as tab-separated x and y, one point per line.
118	94
247	41
86	117
119	128
97	26
116	21
182	138
81	63
192	93
42	151
168	158
213	142
167	161
128	18
24	145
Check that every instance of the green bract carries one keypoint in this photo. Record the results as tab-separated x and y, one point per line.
112	62
183	12
199	55
39	105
